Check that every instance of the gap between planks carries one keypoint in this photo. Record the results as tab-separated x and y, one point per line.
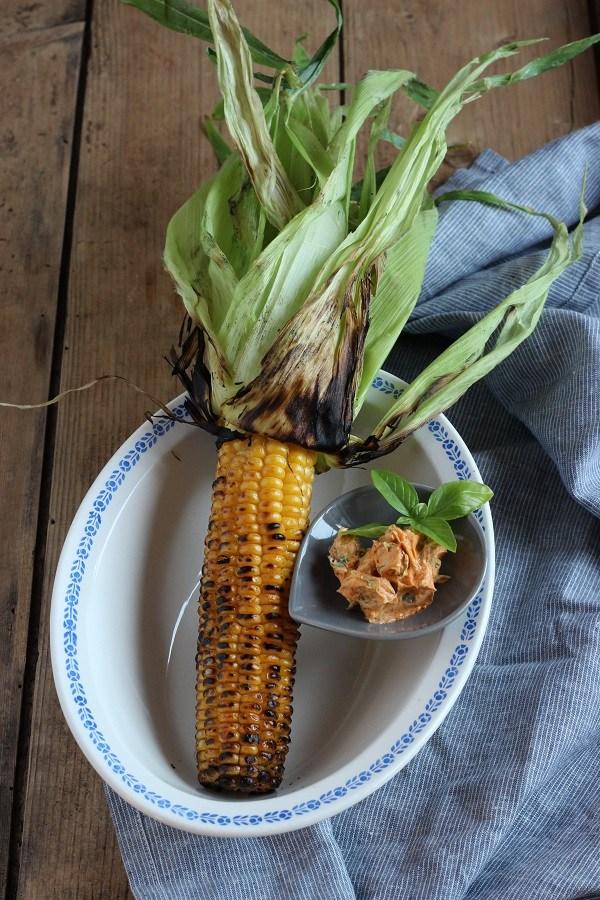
59	32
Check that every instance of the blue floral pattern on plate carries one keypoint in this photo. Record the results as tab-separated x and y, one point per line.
70	615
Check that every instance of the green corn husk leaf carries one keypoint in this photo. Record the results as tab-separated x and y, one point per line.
277	304
490	199
537	66
283	343
420	93
269	297
469	358
415	89
219	144
369	184
306	383
398	202
297	163
401	193
397	291
298	170
306	121
311	70
309	147
396	140
300	56
186	262
245	117
400	197
335	86
277	286
212	241
320	115
179	15
184	17
373	89
380	176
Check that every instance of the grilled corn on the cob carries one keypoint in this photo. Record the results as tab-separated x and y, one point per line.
247	641
297	281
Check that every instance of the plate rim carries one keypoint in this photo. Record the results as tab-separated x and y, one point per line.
80	718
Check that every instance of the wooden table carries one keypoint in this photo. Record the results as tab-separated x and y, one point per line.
100	142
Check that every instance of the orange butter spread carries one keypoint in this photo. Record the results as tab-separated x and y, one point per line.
393	578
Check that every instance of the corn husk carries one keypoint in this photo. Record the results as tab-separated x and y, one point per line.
296	278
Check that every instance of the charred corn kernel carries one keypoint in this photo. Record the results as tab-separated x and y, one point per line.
247	641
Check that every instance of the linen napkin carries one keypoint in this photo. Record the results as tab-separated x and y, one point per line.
504	801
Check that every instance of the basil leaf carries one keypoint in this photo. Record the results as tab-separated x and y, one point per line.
458	498
398	492
420	511
438	530
404	520
372	530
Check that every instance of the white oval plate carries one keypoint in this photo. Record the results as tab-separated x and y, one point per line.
123	640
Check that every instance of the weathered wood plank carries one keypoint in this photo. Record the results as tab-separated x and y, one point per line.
141	156
434	39
21	18
39	61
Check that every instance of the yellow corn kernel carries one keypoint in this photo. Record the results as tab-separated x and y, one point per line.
247	642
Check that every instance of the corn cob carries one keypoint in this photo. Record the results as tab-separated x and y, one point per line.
247	641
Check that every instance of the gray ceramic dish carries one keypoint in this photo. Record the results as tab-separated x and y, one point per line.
313	596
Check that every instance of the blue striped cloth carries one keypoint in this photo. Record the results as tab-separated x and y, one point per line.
503	803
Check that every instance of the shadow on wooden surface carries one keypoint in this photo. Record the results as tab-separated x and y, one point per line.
85	295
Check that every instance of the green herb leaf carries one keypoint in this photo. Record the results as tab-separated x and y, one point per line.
404	520
372	531
457	499
179	15
420	511
437	530
398	492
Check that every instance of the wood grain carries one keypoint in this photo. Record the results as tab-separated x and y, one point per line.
434	38
22	19
38	47
142	154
